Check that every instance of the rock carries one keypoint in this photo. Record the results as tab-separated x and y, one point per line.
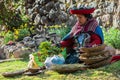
93	4
22	53
44	20
30	44
57	5
27	39
36	8
97	12
2	54
63	16
52	15
37	19
62	7
72	20
32	16
8	50
30	1
49	6
116	21
41	11
38	41
43	2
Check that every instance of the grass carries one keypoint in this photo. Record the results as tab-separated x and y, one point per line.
109	72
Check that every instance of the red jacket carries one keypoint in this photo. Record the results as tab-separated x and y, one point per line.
94	39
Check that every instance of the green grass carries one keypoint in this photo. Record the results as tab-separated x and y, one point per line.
110	72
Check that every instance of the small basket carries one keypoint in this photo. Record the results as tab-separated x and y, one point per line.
100	64
93	60
94	49
91	54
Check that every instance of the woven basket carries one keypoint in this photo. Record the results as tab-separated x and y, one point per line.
93	60
101	63
94	49
91	54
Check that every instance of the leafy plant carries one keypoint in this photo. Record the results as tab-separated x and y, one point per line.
112	37
10	16
22	33
46	49
61	30
9	36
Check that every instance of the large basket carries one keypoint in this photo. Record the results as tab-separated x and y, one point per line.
93	60
100	64
91	54
94	49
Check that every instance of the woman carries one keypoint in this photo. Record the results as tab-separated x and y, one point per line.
85	24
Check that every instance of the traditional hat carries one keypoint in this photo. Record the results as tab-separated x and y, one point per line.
81	10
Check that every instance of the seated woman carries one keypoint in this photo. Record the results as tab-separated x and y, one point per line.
85	24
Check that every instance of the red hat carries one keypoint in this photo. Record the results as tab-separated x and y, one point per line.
82	11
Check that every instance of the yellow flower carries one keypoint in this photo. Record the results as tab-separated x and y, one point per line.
16	32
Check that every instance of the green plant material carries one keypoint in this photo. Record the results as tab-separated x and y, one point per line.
22	32
12	14
112	37
60	30
2	33
9	36
46	49
37	60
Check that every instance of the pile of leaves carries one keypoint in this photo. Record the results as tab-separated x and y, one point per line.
46	50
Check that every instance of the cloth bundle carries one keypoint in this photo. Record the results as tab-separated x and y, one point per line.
95	57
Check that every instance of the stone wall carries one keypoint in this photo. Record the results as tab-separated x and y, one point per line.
107	11
51	12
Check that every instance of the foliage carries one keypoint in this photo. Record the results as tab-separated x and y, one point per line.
9	36
60	30
10	14
112	37
46	49
22	32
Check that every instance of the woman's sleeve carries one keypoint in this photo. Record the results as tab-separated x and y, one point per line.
95	40
99	32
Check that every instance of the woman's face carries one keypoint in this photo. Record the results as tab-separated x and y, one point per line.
81	18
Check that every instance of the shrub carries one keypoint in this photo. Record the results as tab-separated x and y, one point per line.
21	33
46	49
112	37
9	36
60	30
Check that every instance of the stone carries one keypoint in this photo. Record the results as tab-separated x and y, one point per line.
93	4
8	50
2	54
41	11
43	2
57	6
38	41
22	53
97	12
52	15
63	16
37	19
25	39
44	20
30	44
116	21
49	6
62	7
